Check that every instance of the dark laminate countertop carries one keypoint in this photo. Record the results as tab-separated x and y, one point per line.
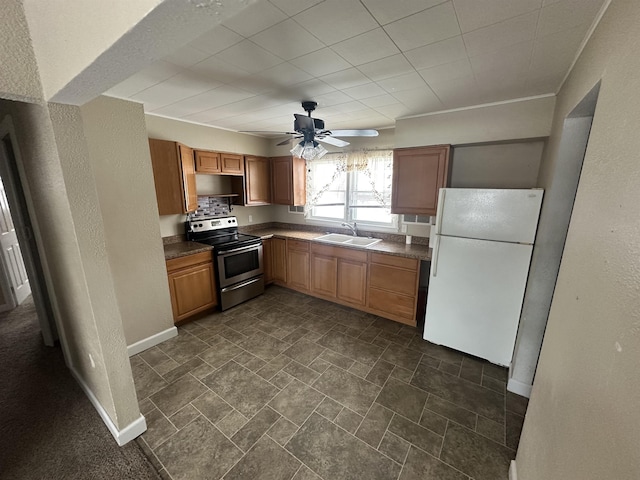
421	252
184	248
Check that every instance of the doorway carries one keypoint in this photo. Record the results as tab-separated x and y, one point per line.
20	266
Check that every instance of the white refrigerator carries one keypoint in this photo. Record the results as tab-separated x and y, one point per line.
479	266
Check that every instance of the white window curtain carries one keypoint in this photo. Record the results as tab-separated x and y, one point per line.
366	174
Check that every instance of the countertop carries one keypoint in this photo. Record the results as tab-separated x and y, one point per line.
421	252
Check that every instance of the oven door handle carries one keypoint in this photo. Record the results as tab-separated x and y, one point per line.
240	285
240	249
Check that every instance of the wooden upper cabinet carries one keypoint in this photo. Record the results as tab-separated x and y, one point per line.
219	163
418	175
257	172
232	164
174	177
288	181
207	162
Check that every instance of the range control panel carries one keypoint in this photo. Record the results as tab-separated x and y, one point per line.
207	224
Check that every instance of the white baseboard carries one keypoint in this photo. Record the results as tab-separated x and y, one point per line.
123	436
151	341
513	472
520	388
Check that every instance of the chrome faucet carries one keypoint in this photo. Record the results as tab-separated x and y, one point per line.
353	228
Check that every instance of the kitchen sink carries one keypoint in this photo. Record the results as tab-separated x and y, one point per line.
341	239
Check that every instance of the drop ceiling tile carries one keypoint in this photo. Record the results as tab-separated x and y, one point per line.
566	14
473	14
187	56
408	81
350	107
419	100
501	35
256	17
557	51
367	47
219	70
234	109
345	79
393	111
424	28
321	62
216	40
447	71
333	98
222	95
387	67
152	75
457	92
249	57
287	40
386	12
176	88
514	57
292	7
438	53
380	101
364	91
309	89
335	20
283	75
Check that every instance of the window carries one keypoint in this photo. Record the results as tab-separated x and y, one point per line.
351	187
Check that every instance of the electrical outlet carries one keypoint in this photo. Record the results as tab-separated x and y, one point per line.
250	218
403	229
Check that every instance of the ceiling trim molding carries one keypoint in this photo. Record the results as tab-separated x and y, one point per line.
482	105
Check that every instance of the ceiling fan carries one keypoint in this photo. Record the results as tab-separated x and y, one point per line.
311	129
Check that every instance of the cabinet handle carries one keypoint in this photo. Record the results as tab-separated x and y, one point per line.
440	210
434	259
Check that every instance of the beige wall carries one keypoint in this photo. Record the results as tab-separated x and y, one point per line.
19	78
504	165
91	334
583	417
116	136
209	138
509	121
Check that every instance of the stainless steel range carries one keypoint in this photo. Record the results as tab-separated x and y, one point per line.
238	258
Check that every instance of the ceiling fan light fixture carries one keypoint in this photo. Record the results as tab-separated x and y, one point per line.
309	150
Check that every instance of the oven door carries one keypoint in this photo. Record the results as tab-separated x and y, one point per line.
239	264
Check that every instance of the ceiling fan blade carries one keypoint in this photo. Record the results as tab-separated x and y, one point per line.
332	141
265	132
354	133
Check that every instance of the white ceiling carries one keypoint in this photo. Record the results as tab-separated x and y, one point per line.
366	62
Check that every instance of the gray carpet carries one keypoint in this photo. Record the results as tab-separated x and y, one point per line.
48	427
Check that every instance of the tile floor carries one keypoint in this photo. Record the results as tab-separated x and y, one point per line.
287	386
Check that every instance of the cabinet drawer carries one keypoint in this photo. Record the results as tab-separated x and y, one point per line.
402	262
394	279
392	303
301	245
189	260
345	253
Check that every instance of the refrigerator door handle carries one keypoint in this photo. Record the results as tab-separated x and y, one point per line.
434	259
438	225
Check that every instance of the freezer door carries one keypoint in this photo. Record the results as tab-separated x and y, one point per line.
475	296
504	215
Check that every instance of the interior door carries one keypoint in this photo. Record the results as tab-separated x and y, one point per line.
13	265
475	296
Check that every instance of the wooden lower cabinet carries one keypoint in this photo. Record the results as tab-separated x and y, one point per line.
324	274
393	287
191	285
278	252
339	273
352	281
298	264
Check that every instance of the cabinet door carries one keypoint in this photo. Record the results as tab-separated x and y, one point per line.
207	162
418	174
324	275
279	260
257	180
173	176
192	290
189	178
298	264
267	259
352	281
232	163
288	181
